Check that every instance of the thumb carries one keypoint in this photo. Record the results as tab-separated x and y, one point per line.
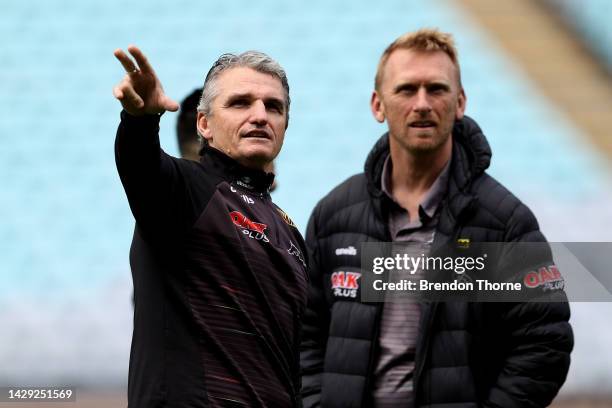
170	105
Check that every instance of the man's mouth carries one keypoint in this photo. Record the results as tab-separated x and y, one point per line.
423	124
260	134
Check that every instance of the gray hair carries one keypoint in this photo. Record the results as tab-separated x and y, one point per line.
251	59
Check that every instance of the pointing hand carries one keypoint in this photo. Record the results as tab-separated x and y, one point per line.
140	91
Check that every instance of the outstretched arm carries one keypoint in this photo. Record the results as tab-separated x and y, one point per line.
153	182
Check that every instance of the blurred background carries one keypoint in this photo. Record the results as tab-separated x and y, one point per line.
538	76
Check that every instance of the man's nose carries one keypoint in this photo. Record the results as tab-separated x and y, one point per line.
259	114
422	104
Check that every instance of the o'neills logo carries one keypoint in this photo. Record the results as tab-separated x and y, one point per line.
548	277
254	230
346	251
345	284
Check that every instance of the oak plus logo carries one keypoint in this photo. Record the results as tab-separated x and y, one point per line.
252	229
345	284
549	278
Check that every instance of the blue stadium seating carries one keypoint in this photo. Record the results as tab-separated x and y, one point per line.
591	19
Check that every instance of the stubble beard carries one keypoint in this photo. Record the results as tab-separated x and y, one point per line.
418	146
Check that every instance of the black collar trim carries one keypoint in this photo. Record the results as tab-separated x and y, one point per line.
231	170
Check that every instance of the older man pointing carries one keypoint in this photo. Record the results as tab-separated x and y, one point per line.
218	269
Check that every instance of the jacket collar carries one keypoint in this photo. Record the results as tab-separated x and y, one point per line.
234	172
471	157
471	152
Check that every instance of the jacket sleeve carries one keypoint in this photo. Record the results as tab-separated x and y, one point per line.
315	324
154	185
538	336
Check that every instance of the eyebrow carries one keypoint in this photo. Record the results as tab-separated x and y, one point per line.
409	85
279	103
249	96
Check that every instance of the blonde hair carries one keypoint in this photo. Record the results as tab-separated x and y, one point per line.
425	40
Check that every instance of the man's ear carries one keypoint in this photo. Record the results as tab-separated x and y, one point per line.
203	128
377	107
461	102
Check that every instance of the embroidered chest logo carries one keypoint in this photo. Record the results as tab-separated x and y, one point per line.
295	251
285	217
252	229
346	251
247	199
345	284
244	197
463	242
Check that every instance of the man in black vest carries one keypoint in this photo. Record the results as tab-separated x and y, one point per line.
218	269
424	183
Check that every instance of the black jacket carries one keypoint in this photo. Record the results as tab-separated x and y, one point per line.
219	280
468	354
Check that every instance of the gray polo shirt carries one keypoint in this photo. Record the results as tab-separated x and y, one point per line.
393	375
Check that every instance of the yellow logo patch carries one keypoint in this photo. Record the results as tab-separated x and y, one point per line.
463	242
285	217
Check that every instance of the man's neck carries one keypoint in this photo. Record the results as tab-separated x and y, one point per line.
414	173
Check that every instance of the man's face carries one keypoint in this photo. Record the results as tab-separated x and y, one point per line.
248	117
420	98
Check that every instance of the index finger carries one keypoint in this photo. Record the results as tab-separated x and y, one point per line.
143	62
127	63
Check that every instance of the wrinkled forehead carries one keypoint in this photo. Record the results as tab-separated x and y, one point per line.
419	66
248	81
